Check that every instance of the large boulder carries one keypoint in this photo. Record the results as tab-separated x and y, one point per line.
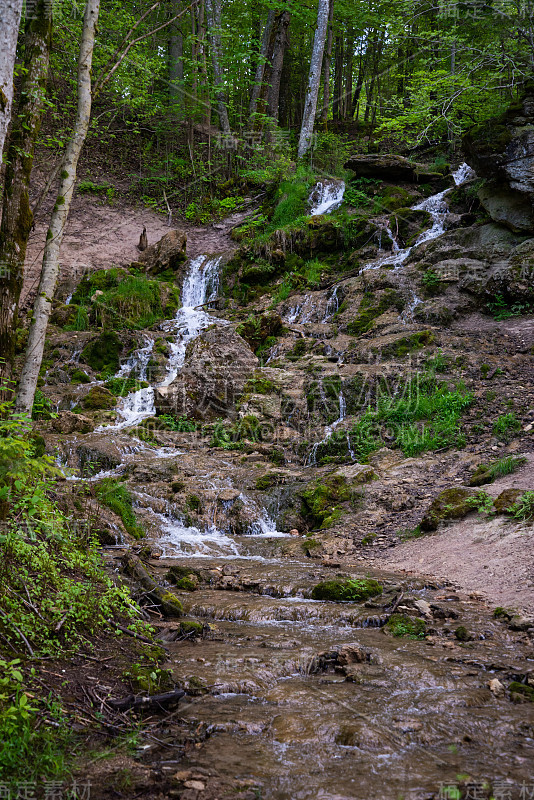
393	169
166	256
501	150
217	365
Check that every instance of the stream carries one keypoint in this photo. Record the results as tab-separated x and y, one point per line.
303	699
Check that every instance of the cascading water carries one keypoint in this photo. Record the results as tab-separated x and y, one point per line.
199	288
326	197
311	461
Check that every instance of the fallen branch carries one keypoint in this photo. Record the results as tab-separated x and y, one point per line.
155	702
128	632
10	622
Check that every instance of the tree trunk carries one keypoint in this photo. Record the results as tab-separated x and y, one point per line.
17	217
349	67
9	30
260	69
60	213
213	8
279	49
312	93
176	66
327	66
338	79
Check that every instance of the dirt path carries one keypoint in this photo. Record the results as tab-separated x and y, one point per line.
493	557
100	236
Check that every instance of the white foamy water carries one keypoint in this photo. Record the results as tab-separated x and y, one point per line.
200	287
326	197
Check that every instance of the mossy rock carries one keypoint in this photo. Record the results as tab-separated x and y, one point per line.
102	353
257	329
408	223
392	198
99	398
372	307
64	315
268	481
191	629
449	504
404	626
189	583
462	634
177	573
320	500
409	344
354	590
506	499
80	376
520	692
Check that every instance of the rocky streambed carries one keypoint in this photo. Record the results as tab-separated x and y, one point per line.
269	442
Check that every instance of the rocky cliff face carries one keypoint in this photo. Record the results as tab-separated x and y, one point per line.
502	152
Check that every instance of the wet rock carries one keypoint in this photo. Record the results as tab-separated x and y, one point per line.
408	223
217	366
462	634
67	422
502	150
167	255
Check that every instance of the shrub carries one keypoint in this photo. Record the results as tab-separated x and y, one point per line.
523	508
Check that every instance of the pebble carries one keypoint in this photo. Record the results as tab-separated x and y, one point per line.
198	785
496	687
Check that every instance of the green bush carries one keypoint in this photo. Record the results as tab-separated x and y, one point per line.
523	508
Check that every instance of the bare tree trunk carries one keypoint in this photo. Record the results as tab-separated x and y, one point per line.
260	69
9	30
349	66
17	217
202	61
338	79
58	221
176	67
312	93
279	49
327	66
213	8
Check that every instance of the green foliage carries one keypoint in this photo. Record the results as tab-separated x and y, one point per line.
401	625
353	590
523	508
179	424
357	192
102	353
42	406
54	589
487	473
120	387
424	415
148	678
505	426
431	280
482	502
34	733
116	497
80	376
501	308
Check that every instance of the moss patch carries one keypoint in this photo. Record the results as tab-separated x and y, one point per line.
449	504
402	625
352	590
102	354
99	398
320	501
116	497
371	308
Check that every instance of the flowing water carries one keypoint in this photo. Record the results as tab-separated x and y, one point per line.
326	197
307	700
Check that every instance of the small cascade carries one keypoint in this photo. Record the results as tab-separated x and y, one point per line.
199	288
326	197
302	312
332	305
437	207
311	461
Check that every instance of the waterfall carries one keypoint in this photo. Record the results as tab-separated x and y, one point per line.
200	286
311	461
326	197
